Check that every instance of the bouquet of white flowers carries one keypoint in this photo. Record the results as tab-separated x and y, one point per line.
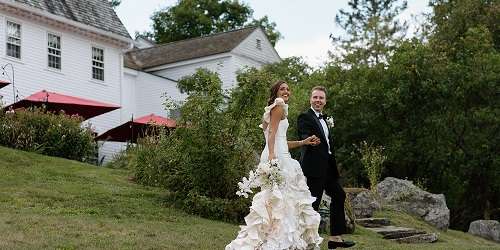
267	175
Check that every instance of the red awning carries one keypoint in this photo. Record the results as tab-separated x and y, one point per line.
3	83
132	130
156	120
71	105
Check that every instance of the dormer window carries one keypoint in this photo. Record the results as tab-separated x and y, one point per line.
258	44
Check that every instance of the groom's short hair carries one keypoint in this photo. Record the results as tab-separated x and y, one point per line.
320	88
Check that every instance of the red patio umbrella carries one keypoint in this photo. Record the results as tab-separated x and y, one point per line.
132	130
3	83
71	105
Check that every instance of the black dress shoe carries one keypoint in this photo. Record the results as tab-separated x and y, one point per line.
342	244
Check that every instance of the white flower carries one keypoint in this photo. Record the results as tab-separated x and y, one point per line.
274	162
330	122
264	168
267	175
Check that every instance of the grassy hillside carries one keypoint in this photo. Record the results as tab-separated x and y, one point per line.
53	203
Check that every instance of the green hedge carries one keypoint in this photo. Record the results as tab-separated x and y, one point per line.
47	133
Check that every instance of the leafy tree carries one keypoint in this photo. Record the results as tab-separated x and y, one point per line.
194	18
433	106
372	29
452	19
466	36
433	115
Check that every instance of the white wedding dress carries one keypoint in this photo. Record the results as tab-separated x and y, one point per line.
280	218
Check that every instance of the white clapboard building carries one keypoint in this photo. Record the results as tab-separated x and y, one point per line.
81	48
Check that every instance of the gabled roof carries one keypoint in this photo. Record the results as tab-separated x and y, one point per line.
186	49
96	13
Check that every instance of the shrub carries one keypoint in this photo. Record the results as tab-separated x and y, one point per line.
162	161
156	164
202	160
372	158
47	133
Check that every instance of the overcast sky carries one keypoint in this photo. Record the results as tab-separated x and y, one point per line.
304	24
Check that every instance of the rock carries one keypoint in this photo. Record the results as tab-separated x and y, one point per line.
363	202
419	238
405	235
373	222
403	195
392	232
488	229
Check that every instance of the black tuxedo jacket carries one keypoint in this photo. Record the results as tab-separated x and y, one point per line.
315	160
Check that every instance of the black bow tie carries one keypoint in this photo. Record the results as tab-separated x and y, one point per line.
322	116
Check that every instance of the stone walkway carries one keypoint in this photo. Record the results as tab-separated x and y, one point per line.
398	234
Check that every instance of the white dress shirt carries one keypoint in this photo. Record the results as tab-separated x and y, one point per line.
325	128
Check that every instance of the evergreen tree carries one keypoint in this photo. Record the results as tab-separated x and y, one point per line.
372	29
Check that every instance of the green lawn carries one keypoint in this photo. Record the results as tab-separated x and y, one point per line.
52	203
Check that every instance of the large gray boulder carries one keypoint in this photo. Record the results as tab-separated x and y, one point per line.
363	202
488	229
403	195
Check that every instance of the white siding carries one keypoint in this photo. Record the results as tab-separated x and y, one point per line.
242	62
129	98
109	149
248	48
142	94
151	92
222	66
75	77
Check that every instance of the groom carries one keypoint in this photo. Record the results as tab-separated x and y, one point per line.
320	168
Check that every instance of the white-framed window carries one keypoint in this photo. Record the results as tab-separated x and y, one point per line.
97	63
13	40
54	51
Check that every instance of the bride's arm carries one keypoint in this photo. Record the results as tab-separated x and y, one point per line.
295	144
311	140
276	114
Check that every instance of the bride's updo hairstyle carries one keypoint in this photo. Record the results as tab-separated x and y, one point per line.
274	91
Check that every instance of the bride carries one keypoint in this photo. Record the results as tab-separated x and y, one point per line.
280	217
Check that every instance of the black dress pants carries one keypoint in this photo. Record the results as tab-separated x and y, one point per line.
333	189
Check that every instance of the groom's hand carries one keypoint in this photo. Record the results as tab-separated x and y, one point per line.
316	141
312	140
